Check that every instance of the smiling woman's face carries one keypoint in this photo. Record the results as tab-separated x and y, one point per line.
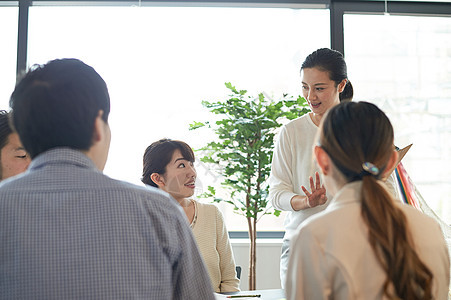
14	158
180	177
319	90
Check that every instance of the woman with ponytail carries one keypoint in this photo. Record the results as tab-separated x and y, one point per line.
365	245
325	84
294	183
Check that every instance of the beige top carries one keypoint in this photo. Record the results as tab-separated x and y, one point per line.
332	258
213	241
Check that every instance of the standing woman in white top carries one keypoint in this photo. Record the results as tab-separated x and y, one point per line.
169	165
365	245
324	84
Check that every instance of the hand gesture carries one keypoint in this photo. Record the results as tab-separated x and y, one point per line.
318	194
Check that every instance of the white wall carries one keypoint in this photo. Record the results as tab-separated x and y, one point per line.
268	258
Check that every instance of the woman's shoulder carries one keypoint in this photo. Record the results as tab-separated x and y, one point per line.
413	213
303	121
209	213
420	223
209	207
299	132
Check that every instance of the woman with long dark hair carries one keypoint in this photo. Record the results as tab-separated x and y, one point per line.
365	245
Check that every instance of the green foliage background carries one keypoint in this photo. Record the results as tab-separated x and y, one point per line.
244	147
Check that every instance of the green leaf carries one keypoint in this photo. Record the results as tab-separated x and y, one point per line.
245	129
212	190
196	125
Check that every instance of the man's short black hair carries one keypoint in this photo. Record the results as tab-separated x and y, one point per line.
56	104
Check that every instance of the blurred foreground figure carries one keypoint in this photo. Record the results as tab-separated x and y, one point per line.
365	245
67	230
13	157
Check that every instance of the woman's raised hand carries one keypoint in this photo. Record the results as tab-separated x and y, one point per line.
317	195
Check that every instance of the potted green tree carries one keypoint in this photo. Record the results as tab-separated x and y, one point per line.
243	151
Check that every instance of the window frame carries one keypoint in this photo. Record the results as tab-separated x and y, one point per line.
339	8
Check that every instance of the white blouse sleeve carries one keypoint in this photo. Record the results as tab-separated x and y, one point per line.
281	178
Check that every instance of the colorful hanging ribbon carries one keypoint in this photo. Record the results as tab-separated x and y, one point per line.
406	186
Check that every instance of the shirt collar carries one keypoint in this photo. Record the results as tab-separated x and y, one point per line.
348	194
62	156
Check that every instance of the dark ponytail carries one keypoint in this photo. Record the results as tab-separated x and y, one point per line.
347	93
333	62
391	241
358	138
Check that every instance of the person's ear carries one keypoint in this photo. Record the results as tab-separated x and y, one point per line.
391	165
99	128
157	179
341	85
101	137
323	160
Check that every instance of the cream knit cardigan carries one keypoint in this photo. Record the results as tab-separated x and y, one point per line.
213	241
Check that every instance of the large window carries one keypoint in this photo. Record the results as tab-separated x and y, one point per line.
8	53
402	64
160	62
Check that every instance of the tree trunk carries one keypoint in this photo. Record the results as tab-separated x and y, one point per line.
252	222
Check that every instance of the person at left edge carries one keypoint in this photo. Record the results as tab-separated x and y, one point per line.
68	231
13	157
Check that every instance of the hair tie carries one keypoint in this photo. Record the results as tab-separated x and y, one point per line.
370	168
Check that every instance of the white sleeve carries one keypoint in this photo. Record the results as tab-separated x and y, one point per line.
281	178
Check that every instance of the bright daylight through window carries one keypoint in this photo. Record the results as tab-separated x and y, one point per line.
161	62
402	64
8	53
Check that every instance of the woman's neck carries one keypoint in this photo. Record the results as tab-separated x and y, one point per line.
188	207
316	118
184	202
335	181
